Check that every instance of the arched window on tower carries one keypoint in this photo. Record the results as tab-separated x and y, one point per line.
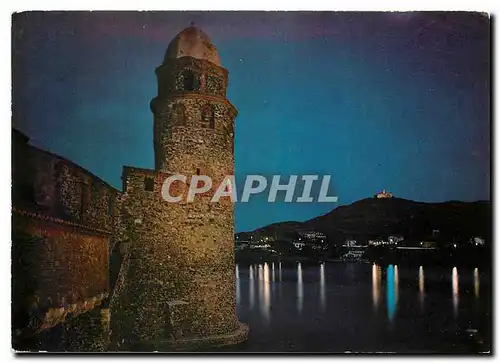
207	117
178	115
190	80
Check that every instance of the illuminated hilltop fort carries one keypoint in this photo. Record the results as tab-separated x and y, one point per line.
95	268
384	194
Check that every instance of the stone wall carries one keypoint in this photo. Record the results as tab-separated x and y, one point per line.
87	332
46	183
64	221
60	270
180	277
187	148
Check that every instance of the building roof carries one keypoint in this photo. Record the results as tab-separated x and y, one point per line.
192	42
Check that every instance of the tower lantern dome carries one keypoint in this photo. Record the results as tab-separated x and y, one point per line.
192	42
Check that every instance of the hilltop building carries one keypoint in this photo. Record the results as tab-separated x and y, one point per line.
384	194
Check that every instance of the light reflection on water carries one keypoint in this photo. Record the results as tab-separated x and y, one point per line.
476	282
376	282
421	286
322	287
396	284
266	277
238	294
322	307
260	287
264	292
300	288
251	292
454	289
391	292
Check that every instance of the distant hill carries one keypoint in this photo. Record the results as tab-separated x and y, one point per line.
371	217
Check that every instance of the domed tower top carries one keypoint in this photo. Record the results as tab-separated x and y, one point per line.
192	42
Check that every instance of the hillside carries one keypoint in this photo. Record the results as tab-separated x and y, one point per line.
369	218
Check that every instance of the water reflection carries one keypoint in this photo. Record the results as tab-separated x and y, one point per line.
263	284
251	292
454	288
264	279
476	282
260	286
391	292
398	309
238	297
396	284
264	291
376	281
421	286
300	288
322	287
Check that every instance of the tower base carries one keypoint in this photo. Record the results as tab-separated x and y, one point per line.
195	343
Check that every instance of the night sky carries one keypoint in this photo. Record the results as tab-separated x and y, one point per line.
378	100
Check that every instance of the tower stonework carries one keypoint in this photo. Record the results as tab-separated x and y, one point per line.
176	285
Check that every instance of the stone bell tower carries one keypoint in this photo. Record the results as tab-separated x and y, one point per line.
193	120
179	291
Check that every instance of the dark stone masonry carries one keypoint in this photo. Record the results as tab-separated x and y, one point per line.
95	268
